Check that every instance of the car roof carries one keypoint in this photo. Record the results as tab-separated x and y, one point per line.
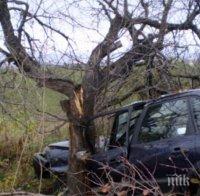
177	94
144	102
121	109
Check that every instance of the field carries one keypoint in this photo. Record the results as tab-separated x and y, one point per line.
31	118
26	126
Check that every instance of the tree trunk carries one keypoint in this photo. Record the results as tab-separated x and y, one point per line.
77	181
76	176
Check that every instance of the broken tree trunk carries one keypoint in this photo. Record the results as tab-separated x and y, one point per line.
73	107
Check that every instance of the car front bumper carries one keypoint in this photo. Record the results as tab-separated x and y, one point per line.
43	168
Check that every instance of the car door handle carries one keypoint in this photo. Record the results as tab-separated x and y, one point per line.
148	146
179	150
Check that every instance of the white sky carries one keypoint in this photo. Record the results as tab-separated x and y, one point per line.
84	39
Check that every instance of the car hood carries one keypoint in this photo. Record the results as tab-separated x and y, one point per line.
62	144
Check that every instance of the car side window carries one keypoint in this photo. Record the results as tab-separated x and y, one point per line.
195	101
122	125
122	121
134	116
165	120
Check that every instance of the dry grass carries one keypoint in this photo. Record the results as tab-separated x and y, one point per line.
16	152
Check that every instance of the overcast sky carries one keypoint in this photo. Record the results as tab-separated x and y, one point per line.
84	37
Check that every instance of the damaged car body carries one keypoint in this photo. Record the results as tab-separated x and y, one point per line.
52	161
163	147
54	158
158	137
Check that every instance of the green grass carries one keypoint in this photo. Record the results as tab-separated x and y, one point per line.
24	131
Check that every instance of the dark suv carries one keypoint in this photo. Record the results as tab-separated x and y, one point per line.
164	143
166	137
161	138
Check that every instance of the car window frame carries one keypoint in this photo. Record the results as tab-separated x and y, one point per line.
196	129
128	110
115	125
135	138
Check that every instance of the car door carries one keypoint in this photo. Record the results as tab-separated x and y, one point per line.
162	135
116	151
109	160
122	132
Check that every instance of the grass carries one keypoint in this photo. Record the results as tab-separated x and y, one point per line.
25	130
17	147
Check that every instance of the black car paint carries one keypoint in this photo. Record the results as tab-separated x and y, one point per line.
112	160
169	156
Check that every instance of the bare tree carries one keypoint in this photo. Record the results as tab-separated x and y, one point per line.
149	25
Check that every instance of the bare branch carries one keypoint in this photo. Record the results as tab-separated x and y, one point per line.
24	15
196	30
119	100
163	28
115	10
106	11
24	62
64	86
108	45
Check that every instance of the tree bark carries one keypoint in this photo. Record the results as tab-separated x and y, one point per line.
74	109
